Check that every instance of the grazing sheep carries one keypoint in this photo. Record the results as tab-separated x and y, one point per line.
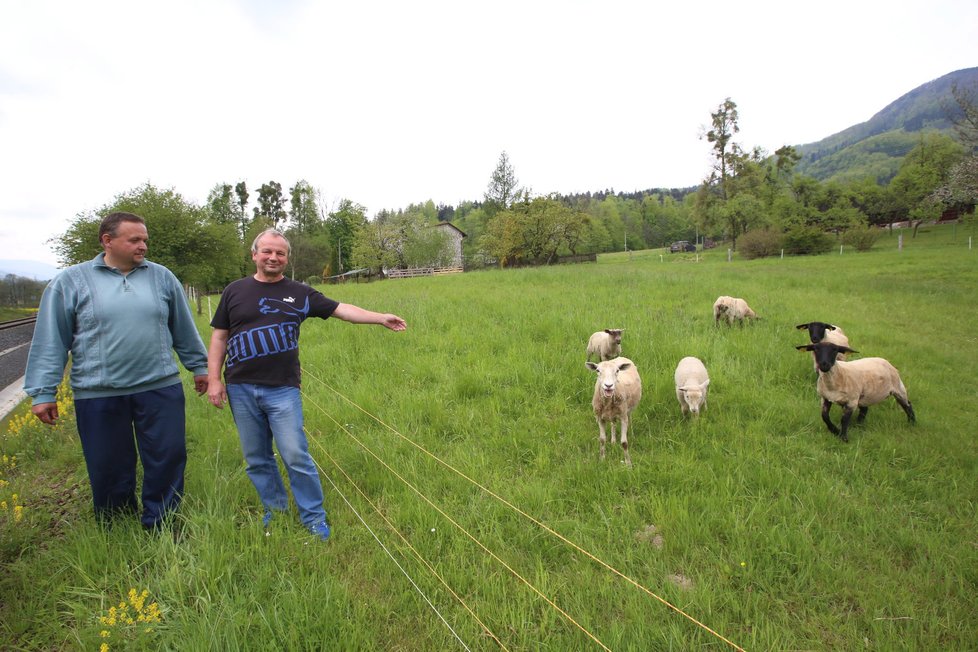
859	383
605	344
617	391
691	383
732	309
819	331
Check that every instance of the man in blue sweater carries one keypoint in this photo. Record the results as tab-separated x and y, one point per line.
120	317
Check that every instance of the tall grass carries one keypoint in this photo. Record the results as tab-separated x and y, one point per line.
752	520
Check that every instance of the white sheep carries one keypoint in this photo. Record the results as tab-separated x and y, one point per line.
819	331
859	383
617	391
605	344
732	309
692	381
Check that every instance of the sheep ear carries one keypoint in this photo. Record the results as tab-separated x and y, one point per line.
591	366
846	349
805	347
705	383
624	365
801	326
830	327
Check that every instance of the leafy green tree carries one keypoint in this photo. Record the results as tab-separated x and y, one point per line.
924	170
375	246
503	187
724	125
342	226
271	205
241	195
199	252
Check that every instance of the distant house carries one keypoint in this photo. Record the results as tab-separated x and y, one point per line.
455	235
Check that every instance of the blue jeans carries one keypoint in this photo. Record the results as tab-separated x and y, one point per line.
112	429
264	414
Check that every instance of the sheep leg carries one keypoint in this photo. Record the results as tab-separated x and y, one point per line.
905	404
624	440
863	409
601	436
846	416
826	406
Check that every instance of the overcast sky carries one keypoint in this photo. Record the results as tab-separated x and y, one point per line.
393	103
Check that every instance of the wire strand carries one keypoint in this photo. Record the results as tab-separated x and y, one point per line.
529	517
458	526
401	536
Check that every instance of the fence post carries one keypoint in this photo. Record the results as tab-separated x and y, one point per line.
729	255
900	242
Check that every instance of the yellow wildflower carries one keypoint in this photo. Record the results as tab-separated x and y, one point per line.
104	633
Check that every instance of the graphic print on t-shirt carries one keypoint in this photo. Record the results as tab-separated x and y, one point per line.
269	339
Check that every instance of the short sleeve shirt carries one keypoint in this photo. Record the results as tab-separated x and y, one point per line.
262	320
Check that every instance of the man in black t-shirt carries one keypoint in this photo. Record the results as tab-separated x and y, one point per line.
256	342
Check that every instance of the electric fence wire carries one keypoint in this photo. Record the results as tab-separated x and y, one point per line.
393	559
517	510
404	539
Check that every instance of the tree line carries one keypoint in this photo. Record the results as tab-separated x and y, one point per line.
747	197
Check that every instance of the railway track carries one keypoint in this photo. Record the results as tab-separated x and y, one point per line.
14	323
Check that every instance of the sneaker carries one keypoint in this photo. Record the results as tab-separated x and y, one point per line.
321	530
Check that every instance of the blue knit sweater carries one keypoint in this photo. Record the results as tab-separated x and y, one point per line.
120	330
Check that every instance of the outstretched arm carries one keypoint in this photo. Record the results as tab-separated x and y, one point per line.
356	315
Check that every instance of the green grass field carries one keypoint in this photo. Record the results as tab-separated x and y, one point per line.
467	447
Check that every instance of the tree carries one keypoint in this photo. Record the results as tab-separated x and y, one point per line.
271	204
503	186
199	252
241	193
923	171
724	126
342	226
305	223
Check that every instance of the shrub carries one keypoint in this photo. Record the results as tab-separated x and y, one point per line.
807	240
862	238
315	279
760	243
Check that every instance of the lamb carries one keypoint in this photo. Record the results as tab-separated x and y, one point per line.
691	383
732	309
605	344
819	331
859	383
617	391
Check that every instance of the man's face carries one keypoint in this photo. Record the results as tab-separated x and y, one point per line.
272	255
127	249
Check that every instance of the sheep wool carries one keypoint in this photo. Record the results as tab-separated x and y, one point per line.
855	384
605	344
617	390
731	309
692	381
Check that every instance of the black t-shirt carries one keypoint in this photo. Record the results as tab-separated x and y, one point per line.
262	320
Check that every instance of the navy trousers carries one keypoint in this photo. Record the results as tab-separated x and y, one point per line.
113	429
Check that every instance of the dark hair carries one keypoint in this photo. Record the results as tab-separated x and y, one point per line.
110	223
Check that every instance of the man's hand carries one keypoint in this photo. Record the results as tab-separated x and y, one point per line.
217	393
200	384
46	412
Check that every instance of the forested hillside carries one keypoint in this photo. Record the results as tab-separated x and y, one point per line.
874	149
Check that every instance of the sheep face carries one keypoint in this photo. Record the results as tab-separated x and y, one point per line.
607	375
693	397
816	330
615	334
825	353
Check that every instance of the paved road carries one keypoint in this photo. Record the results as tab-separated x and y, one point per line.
14	345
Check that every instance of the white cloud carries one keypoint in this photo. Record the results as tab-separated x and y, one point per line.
389	103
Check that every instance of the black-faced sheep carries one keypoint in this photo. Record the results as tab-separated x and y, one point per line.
617	391
692	381
605	344
859	383
819	331
731	309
